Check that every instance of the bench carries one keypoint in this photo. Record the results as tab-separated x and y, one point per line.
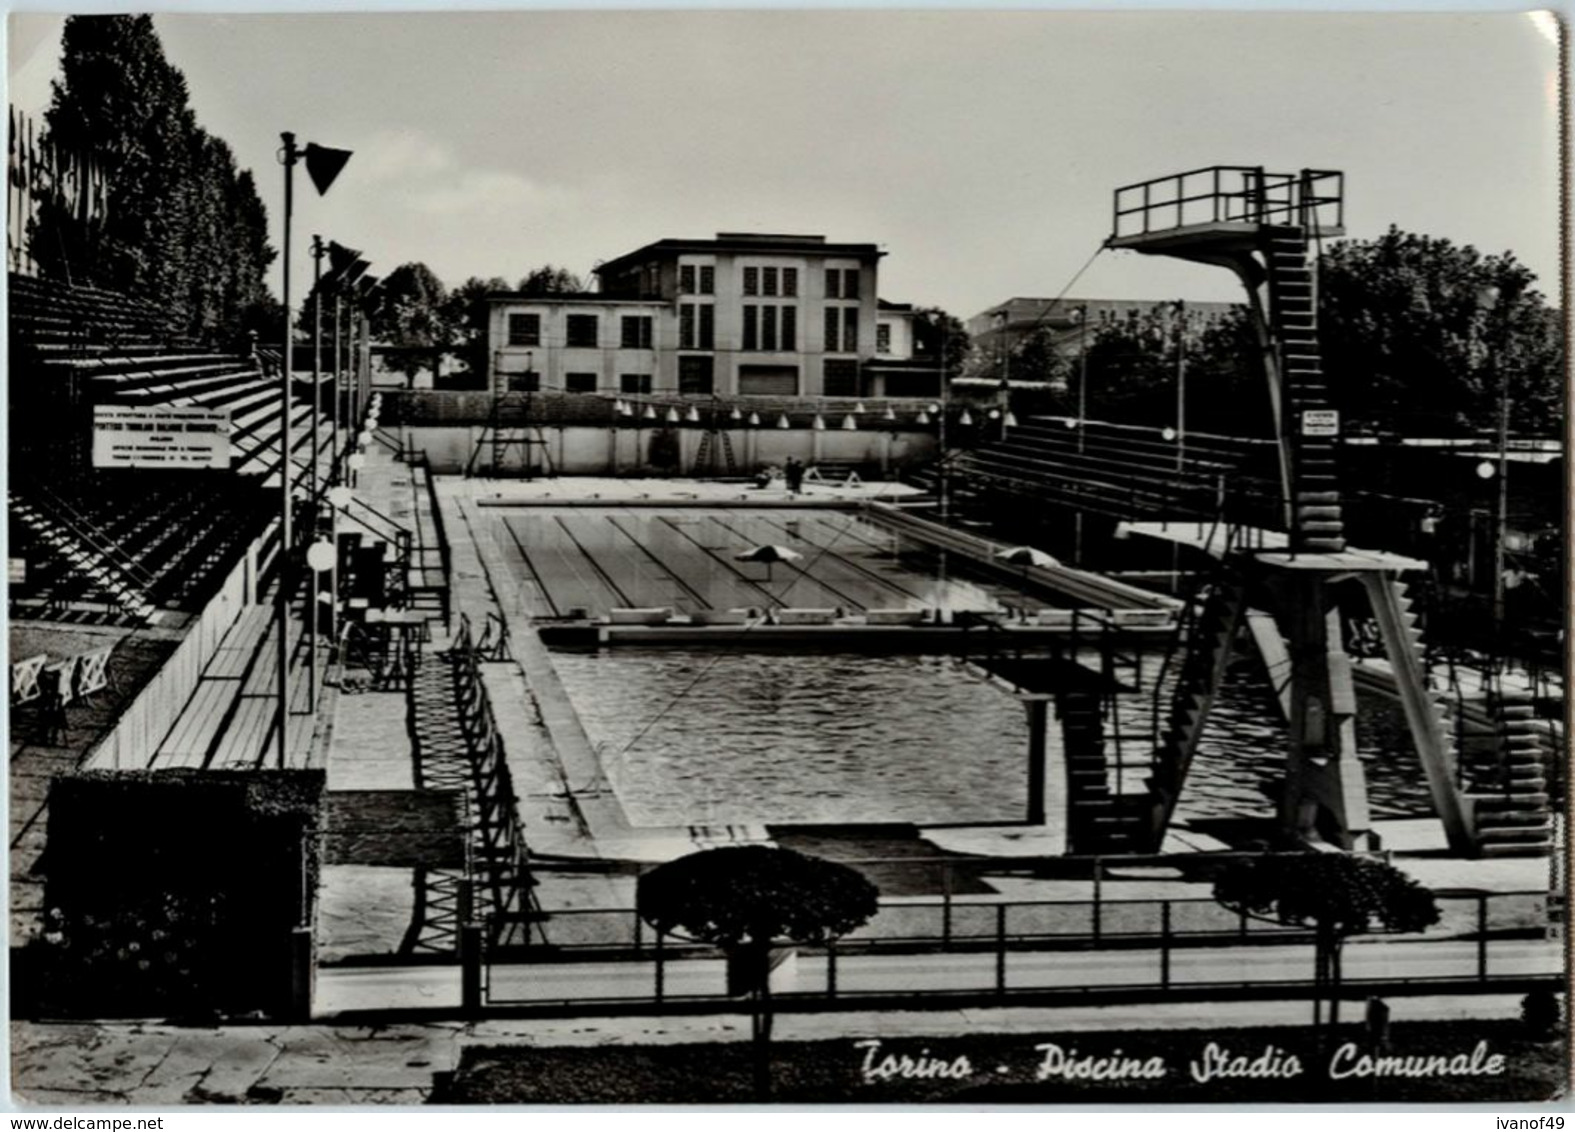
233	657
199	724
246	739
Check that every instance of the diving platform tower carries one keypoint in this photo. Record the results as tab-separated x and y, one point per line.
1265	227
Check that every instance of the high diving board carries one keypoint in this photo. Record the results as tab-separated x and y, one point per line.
1271	547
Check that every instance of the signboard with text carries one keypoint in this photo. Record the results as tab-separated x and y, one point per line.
1320	422
137	436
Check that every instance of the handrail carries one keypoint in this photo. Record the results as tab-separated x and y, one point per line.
1228	194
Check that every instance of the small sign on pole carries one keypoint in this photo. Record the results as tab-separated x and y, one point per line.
138	436
1320	422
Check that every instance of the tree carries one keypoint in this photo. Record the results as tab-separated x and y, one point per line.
1337	895
182	227
938	337
467	313
742	898
1036	358
412	313
550	280
1422	336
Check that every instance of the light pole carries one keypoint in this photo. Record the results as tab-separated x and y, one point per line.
322	166
1488	299
1081	311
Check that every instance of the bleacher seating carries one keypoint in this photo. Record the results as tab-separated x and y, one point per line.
1125	472
134	541
56	318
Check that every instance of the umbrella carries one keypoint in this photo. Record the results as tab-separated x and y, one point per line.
768	554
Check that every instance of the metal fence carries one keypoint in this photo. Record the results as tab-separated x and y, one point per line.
951	947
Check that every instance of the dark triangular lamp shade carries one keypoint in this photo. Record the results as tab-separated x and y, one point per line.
340	257
323	164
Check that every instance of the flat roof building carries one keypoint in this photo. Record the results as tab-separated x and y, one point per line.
744	314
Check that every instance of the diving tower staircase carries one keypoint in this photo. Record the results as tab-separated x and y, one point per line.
1265	227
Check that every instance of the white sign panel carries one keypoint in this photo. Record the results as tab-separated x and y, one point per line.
136	436
1320	422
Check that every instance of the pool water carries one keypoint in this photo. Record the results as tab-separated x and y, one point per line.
712	737
692	736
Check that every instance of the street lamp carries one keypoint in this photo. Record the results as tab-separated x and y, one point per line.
1080	312
322	166
1488	299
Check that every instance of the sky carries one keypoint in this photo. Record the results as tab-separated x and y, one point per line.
978	149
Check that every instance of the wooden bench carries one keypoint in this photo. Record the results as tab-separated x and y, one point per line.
191	739
246	740
233	657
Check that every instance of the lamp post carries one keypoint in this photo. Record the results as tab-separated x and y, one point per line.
1488	299
1081	311
322	166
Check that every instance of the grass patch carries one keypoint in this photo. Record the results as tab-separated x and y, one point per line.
1005	1069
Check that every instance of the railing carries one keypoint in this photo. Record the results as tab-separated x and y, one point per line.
420	459
1230	194
1017	947
501	844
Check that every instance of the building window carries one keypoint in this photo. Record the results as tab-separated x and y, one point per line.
751	280
770	327
842	330
580	382
582	330
707	280
768	281
696	326
790	281
637	331
842	282
634	382
524	330
695	373
527	382
840	378
686	279
883	338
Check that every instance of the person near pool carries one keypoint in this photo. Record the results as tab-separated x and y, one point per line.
794	472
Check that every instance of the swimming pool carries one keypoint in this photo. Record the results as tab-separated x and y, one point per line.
711	736
592	559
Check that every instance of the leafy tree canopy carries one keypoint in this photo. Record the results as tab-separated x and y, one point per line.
1420	333
753	894
183	227
938	335
550	280
1340	893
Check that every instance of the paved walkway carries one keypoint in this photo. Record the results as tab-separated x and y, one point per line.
78	1065
350	990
